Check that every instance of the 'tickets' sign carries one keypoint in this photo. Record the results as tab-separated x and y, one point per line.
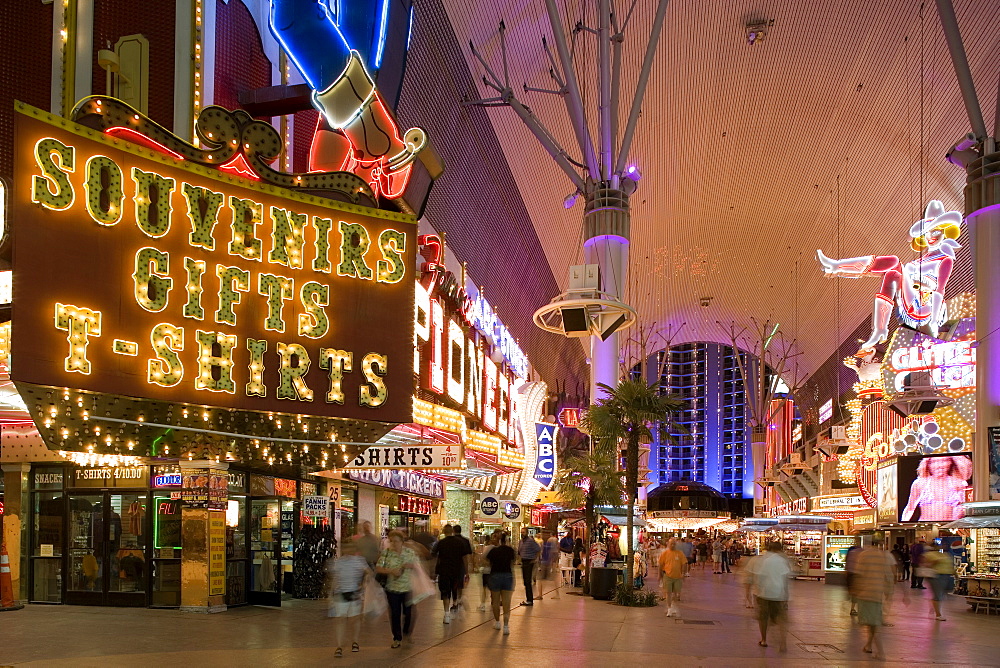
142	275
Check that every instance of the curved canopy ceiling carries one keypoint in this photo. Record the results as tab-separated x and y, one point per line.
830	133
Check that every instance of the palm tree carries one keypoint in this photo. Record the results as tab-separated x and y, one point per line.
627	413
589	480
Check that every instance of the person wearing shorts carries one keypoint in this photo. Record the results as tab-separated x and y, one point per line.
501	583
703	553
453	553
671	563
347	575
484	568
872	585
767	579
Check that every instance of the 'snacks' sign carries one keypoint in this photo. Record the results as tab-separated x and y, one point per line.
143	275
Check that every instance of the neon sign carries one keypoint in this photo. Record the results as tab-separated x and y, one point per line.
453	364
916	287
236	295
826	411
486	321
412	504
323	47
952	363
442	284
168	480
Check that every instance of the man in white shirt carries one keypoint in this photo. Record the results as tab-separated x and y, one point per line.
767	578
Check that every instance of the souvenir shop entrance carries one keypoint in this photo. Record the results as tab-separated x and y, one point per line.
108	549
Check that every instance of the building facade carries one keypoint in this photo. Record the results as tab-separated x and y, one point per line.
709	442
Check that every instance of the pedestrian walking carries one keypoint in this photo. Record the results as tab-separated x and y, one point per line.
850	567
872	587
904	559
671	566
579	561
484	568
454	555
368	544
566	559
724	567
347	574
462	581
703	550
939	570
717	551
767	578
501	559
549	564
688	550
916	553
528	550
396	563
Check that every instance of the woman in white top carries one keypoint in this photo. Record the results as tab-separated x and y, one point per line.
348	574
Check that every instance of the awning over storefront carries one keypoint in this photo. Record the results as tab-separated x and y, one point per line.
978	515
622	520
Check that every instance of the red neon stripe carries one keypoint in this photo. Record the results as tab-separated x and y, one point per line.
137	137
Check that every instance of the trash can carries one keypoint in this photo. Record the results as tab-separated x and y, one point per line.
603	582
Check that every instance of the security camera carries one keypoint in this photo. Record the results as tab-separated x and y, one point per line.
963	152
705	302
756	31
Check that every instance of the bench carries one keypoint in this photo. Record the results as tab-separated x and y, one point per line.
988	603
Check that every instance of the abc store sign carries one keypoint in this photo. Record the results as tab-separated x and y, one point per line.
495	509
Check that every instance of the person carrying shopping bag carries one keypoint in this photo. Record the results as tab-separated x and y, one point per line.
399	564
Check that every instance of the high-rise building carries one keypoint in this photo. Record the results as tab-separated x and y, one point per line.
710	436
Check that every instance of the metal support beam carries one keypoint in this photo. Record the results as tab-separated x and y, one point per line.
574	104
616	84
604	55
951	33
996	118
546	140
640	86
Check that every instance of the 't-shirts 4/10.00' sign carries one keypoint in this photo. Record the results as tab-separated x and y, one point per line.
146	276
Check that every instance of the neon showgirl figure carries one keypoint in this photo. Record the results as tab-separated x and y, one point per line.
916	287
357	133
939	490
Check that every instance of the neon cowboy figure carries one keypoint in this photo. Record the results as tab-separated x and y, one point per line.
356	133
916	287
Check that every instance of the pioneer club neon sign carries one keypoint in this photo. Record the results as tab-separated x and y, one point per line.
444	285
147	275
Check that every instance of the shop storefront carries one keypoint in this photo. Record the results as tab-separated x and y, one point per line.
113	535
406	500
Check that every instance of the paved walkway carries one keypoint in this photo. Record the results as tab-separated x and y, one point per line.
715	630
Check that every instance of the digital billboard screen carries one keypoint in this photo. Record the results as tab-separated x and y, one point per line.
933	488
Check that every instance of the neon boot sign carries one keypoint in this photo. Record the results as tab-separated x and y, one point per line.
916	287
356	133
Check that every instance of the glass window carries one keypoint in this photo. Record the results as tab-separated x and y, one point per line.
47	477
50	509
236	538
126	545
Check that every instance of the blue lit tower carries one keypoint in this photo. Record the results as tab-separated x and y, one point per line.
711	441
